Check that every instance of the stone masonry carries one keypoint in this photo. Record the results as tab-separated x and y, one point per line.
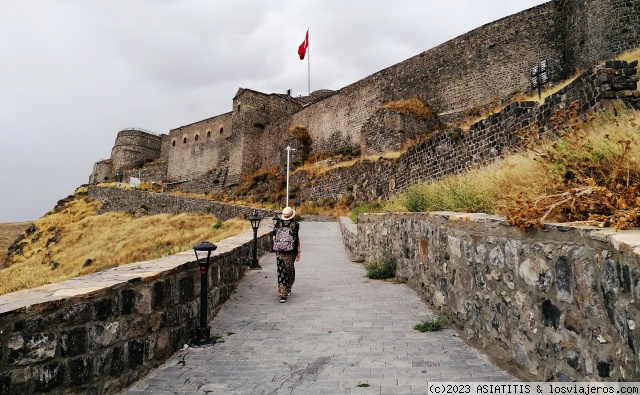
559	303
151	203
451	151
99	333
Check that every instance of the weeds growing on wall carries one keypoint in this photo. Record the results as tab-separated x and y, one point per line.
301	134
373	207
382	268
430	325
413	106
72	241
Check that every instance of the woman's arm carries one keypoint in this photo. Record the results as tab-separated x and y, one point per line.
299	246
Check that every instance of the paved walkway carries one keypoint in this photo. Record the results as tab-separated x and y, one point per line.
338	331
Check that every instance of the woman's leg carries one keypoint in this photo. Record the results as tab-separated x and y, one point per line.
286	273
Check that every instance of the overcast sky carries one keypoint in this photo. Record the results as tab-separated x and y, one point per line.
75	72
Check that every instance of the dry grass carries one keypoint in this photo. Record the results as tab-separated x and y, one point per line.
66	239
595	170
630	56
488	190
316	170
9	232
327	207
494	106
413	106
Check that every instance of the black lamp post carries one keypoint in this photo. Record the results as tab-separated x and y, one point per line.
255	223
204	330
275	219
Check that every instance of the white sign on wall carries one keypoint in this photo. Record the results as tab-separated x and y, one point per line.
134	182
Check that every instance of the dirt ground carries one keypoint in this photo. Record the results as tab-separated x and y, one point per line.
9	231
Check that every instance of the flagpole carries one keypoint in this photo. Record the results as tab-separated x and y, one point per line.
289	149
308	65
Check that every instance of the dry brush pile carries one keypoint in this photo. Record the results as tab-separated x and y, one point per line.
594	173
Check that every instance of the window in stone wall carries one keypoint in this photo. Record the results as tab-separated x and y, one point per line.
208	133
264	107
221	130
174	143
184	140
197	137
238	107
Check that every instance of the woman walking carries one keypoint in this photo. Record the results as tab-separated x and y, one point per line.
286	244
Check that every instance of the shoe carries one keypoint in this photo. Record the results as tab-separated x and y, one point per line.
289	294
283	299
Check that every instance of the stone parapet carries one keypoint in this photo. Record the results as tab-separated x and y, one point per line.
141	202
559	303
99	333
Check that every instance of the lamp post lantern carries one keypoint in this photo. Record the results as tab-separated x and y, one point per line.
255	223
275	219
204	330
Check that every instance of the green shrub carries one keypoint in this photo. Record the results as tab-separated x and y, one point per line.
383	268
432	325
374	207
327	202
450	194
345	150
416	199
219	224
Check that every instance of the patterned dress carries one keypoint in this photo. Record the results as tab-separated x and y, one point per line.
286	260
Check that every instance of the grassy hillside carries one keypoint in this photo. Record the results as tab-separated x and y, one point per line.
73	240
9	231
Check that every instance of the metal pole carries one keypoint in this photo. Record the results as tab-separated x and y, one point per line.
203	331
287	198
539	87
308	64
254	263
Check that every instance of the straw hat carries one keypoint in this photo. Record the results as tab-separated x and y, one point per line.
287	213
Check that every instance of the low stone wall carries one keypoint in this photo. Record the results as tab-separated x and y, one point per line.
99	333
558	304
141	202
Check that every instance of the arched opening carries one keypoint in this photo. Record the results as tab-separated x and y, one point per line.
197	137
174	143
208	133
238	107
184	140
221	130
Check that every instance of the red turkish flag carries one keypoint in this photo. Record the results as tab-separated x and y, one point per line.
302	49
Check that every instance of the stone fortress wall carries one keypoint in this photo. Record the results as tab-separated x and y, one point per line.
558	303
451	151
196	148
483	65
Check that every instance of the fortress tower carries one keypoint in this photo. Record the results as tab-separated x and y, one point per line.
133	147
598	29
